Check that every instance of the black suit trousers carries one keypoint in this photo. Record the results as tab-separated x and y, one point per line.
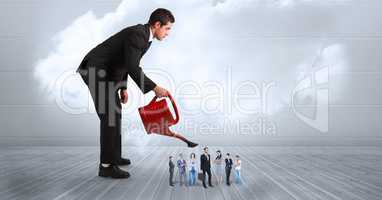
107	104
208	172
228	174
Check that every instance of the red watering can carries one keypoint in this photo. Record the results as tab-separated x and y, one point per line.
157	118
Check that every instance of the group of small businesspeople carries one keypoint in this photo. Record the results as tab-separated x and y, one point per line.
188	170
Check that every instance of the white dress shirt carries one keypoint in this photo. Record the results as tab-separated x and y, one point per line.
151	37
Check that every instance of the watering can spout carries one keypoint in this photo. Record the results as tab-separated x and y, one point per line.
180	137
157	118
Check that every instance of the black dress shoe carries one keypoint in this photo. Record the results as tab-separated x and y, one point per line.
124	161
112	171
210	185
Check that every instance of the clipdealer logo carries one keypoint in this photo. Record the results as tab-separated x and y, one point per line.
314	87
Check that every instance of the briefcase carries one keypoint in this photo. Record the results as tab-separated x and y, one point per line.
200	176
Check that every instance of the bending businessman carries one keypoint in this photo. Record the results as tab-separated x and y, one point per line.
105	69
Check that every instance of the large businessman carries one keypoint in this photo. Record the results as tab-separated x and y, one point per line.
105	70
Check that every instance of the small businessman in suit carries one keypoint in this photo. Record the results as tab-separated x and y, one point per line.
228	168
171	167
205	166
105	70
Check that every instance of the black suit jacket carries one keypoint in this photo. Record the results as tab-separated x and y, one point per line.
228	163
171	166
205	162
120	55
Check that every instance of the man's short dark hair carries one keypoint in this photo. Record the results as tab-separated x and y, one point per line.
162	15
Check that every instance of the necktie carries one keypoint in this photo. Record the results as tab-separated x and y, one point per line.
144	51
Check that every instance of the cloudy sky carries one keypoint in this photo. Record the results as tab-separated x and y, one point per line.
240	70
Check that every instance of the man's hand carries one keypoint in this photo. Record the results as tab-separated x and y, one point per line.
123	94
160	92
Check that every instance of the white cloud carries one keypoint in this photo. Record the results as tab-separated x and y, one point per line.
208	37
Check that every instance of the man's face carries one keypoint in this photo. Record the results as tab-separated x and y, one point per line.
160	32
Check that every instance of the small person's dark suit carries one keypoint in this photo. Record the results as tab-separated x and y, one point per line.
228	168
104	70
205	166
171	166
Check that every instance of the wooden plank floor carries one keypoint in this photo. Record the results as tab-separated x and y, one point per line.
272	172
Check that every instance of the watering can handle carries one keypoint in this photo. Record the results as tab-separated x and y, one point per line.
175	108
173	105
